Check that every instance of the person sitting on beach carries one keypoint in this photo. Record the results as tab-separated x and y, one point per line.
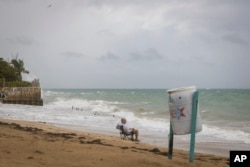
128	130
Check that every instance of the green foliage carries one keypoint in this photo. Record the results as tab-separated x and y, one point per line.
7	71
18	84
11	73
19	67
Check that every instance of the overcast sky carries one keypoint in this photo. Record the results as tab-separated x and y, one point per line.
129	43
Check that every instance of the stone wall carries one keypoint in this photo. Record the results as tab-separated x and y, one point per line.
22	95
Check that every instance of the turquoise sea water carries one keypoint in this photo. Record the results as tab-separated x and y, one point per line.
225	113
216	105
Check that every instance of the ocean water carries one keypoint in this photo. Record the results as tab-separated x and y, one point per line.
225	113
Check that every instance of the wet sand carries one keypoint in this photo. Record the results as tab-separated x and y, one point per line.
40	144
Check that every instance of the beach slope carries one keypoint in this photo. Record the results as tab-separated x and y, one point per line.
39	144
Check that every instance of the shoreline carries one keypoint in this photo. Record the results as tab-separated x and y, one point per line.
26	143
181	142
222	148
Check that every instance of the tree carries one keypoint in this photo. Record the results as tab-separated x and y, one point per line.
19	67
10	75
7	72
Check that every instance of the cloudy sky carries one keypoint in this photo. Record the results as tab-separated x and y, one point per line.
129	43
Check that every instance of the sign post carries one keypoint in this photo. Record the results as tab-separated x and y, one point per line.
193	126
170	142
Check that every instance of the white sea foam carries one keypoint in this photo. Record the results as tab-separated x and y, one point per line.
225	134
75	110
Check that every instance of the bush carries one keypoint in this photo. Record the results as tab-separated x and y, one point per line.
18	84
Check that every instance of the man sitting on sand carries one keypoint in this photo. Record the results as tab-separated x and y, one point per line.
128	130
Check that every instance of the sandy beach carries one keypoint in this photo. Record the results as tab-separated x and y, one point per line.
40	144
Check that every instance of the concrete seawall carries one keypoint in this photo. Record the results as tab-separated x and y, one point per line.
22	95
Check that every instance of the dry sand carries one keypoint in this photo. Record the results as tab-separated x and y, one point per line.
39	144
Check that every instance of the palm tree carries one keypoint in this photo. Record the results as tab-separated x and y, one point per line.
19	67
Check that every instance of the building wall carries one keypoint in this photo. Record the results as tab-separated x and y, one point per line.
22	95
